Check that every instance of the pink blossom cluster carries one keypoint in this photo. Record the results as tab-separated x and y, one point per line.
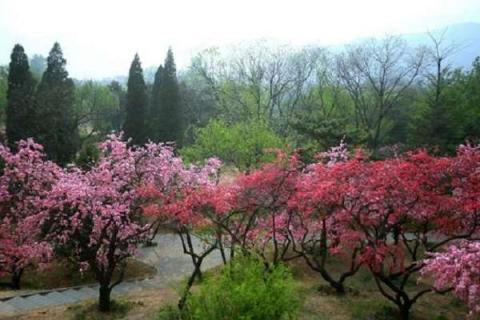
98	213
25	182
458	267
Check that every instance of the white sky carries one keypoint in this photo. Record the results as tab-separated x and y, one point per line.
100	37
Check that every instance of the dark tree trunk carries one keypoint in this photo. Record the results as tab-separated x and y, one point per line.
104	302
195	274
405	311
16	277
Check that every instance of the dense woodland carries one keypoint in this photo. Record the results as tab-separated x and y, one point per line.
237	102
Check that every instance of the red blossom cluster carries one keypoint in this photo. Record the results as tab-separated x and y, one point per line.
385	215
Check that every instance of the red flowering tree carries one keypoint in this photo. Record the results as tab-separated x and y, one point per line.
25	181
317	227
458	267
400	209
176	202
258	219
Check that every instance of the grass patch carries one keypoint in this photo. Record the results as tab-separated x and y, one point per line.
62	273
363	301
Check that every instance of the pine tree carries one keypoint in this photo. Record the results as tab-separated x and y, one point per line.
167	113
57	128
137	102
19	122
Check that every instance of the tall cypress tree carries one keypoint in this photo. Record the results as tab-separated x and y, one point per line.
56	123
155	106
20	91
168	122
137	102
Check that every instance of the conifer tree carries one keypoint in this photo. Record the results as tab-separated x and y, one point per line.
155	107
56	127
137	102
168	109
19	122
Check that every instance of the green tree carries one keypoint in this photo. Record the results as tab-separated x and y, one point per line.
96	107
155	132
119	92
246	145
56	126
166	110
19	121
136	104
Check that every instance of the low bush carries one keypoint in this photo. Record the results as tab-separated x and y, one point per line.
244	290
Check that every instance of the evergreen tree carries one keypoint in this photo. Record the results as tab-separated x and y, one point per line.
19	122
57	128
168	111
155	107
137	101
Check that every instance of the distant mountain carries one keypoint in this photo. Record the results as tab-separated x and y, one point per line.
465	36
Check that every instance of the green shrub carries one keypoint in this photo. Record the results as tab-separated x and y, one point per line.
169	313
244	290
88	155
245	144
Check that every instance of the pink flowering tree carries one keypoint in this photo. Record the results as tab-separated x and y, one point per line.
96	216
25	182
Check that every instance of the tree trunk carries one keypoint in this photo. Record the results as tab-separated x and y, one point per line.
339	288
16	277
405	312
191	280
104	302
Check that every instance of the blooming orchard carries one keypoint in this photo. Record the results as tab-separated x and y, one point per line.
399	218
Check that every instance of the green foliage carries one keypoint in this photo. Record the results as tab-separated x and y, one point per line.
169	313
20	113
55	123
55	120
118	117
245	144
166	112
444	122
88	155
96	107
246	290
136	104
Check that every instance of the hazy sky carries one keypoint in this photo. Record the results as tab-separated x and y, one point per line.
100	37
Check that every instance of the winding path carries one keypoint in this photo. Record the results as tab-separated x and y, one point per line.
167	257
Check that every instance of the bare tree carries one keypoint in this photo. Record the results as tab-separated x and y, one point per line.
259	81
438	54
376	74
